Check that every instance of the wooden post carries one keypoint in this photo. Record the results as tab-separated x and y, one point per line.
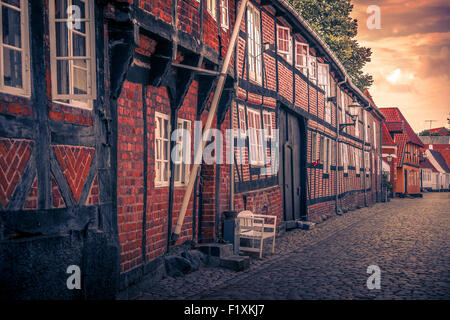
215	102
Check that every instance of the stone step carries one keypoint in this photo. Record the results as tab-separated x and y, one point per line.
235	262
218	250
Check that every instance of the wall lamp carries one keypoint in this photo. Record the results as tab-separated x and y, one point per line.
354	111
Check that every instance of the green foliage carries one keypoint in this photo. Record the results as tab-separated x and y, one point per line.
424	133
332	22
386	183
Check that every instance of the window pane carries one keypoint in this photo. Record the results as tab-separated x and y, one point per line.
63	77
79	81
61	9
79	45
82	6
61	39
15	3
12	62
11	27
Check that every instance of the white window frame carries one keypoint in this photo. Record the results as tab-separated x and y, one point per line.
75	100
254	44
224	14
323	80
211	8
327	153
375	136
25	90
286	54
181	181
343	111
312	68
366	126
268	124
242	125
166	162
345	157
313	146
256	150
322	149
357	161
302	67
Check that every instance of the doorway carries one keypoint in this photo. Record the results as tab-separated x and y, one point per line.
293	165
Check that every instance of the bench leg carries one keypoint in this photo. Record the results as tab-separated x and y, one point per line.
273	244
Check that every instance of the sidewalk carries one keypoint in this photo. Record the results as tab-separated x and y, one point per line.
207	278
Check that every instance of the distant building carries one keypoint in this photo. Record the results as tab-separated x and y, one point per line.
429	175
442	131
443	178
436	142
406	165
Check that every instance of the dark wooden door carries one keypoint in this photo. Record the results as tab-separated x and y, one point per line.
293	166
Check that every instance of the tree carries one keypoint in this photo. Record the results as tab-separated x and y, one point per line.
332	22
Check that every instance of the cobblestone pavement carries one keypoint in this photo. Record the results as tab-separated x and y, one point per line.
409	239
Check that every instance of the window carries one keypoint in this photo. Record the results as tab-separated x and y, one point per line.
345	157
181	169
72	52
365	126
357	126
242	123
211	8
327	156
301	56
312	67
254	44
313	146
357	161
321	149
224	17
268	125
14	48
324	83
255	137
285	43
343	106
162	149
374	135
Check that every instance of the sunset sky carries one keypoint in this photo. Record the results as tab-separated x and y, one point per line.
411	57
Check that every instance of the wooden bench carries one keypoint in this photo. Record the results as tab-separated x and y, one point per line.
256	227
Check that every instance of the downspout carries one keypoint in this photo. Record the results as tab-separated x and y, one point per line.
211	114
337	144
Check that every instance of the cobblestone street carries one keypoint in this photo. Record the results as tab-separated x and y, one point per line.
408	239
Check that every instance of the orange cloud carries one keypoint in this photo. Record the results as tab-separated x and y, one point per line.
410	62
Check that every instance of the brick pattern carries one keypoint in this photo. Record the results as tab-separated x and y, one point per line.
31	201
57	199
93	197
75	162
14	156
70	115
16	106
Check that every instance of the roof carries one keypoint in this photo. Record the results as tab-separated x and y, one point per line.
402	133
446	155
395	121
386	136
440	160
440	130
426	164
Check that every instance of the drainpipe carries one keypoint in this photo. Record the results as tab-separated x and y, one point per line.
211	114
337	145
